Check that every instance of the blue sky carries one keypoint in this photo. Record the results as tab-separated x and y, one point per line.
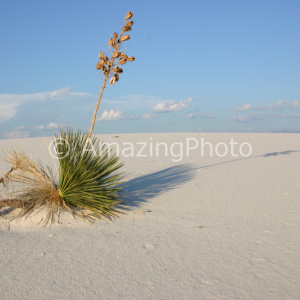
212	66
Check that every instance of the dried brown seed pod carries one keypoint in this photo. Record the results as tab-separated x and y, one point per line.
116	54
103	68
124	56
112	80
106	72
101	56
122	61
99	64
115	35
106	59
109	64
129	15
118	41
129	23
131	58
111	41
117	69
116	76
125	37
126	28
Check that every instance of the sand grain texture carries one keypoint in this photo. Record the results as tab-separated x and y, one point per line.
202	228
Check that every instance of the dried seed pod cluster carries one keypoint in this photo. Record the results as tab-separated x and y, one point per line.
110	67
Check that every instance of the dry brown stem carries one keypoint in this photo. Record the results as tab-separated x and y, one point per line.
4	179
97	106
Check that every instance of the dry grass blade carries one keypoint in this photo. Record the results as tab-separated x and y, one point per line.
34	187
15	165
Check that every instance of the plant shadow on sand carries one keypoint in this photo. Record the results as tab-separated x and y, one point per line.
6	211
250	157
280	153
140	189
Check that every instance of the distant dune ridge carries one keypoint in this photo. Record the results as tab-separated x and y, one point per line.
197	226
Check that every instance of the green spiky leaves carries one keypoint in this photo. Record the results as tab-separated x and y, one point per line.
89	176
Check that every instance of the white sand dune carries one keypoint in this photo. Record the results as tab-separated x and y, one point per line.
200	228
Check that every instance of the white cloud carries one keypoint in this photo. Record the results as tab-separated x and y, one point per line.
7	112
19	132
244	107
156	104
193	115
281	104
196	114
9	103
111	115
50	126
59	92
19	99
133	101
149	116
247	118
288	104
171	106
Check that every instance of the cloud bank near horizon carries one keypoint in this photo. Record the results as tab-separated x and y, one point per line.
11	103
281	104
140	108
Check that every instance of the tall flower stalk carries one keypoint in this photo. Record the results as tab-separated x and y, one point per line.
110	67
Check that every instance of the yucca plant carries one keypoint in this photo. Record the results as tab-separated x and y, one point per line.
88	182
87	185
